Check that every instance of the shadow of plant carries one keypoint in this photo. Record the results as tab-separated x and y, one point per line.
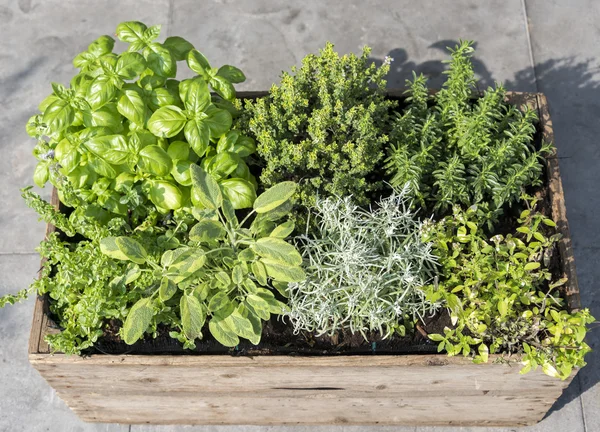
572	87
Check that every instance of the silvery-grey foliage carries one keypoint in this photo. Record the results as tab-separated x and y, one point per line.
364	268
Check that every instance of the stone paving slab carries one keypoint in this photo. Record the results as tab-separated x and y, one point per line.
565	48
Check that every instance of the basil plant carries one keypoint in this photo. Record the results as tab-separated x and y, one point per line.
225	274
125	132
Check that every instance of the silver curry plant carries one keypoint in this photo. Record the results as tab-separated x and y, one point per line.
365	268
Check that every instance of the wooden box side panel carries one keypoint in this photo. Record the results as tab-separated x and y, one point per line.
410	390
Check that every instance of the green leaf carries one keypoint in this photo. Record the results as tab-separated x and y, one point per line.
503	307
103	45
152	33
131	31
132	249
138	320
274	196
223	87
130	64
283	230
58	116
242	327
237	274
181	172
257	302
153	159
207	188
112	148
167	289
231	74
532	266
197	133
277	250
219	301
102	167
165	195
227	141
101	91
207	230
283	273
193	316
198	63
105	116
223	164
41	174
132	107
195	96
239	192
218	120
160	60
167	121
229	213
108	246
179	150
186	265
260	272
223	333
178	46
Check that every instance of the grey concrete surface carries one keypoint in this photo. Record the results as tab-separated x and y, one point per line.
39	39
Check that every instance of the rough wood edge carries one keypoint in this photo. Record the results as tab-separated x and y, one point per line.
537	101
559	210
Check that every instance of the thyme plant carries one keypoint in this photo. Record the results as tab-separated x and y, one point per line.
454	149
324	126
364	268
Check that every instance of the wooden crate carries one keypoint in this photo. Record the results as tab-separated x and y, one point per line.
268	390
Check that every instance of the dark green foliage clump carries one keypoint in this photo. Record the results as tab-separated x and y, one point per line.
324	126
453	149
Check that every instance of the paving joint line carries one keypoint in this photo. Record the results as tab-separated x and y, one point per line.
529	44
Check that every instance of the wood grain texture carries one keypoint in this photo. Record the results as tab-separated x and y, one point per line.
274	390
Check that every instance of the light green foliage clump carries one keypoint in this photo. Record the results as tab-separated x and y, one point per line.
125	132
502	295
324	126
365	269
221	272
454	149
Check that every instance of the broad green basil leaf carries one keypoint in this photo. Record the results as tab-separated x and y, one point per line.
181	172
165	195
283	230
283	273
131	31
132	249
153	159
41	173
102	167
198	63
161	97
274	196
112	204
223	164
112	148
46	102
178	46
152	33
123	182
105	116
138	320
195	95
167	289
101	91
197	133
84	61
59	115
223	87
244	146
67	155
239	192
130	65
227	141
149	81
167	121
223	333
219	121
132	107
207	230
160	60
231	74
60	91
277	250
207	188
140	139
103	45
179	150
193	316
